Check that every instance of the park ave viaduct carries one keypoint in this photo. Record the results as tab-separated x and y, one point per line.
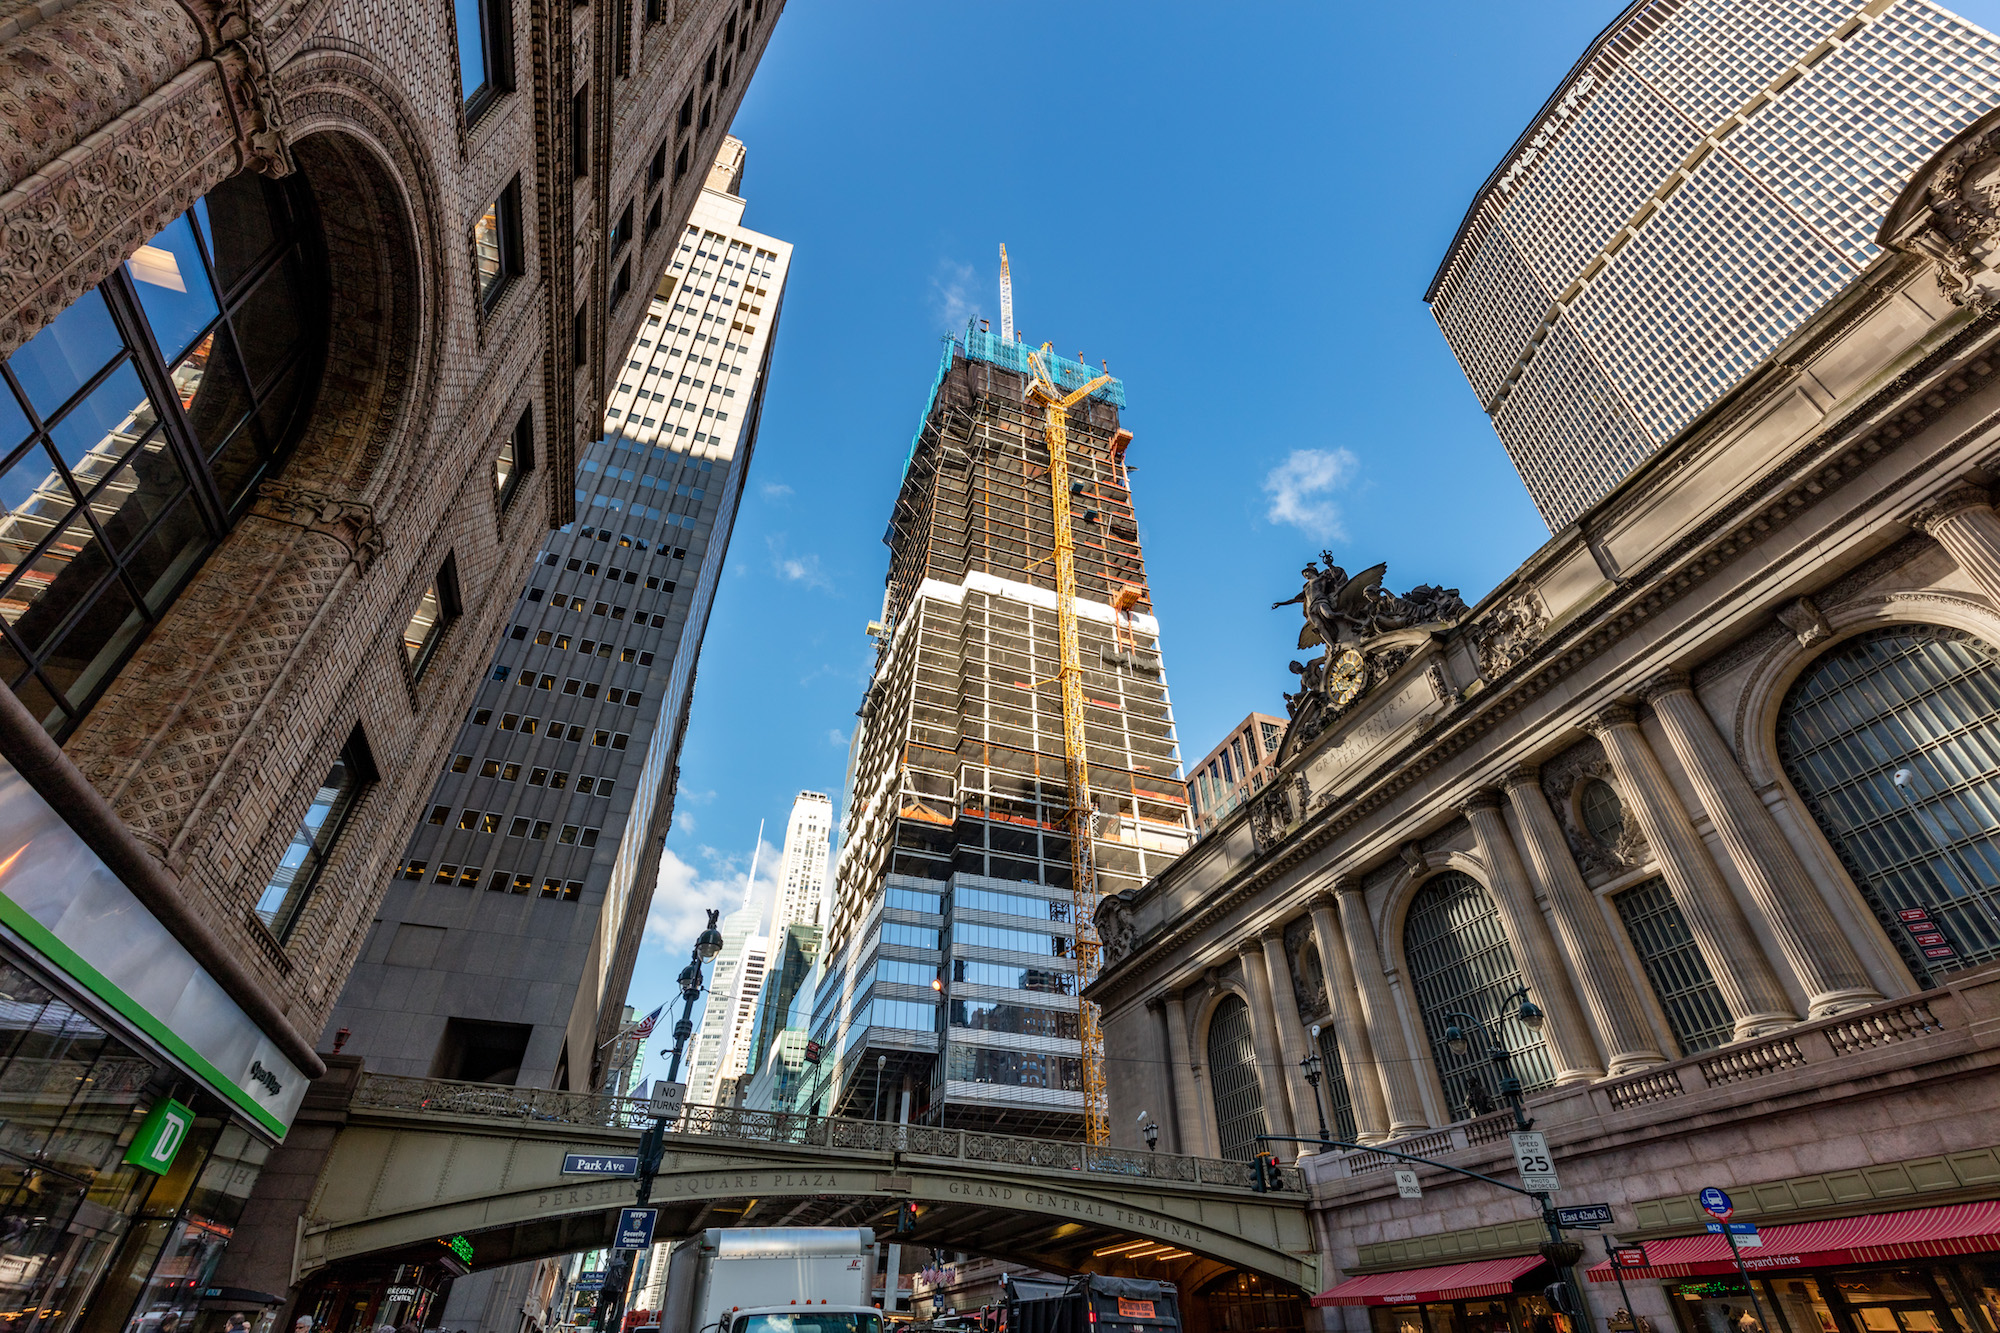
382	1166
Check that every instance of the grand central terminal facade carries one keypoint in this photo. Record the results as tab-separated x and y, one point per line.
1711	782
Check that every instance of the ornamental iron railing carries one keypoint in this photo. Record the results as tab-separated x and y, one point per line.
486	1101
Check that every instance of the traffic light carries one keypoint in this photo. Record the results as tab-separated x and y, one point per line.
906	1217
1264	1173
652	1143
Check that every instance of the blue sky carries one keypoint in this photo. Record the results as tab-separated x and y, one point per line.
1238	206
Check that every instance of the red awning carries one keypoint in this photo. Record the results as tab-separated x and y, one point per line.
1452	1282
1965	1228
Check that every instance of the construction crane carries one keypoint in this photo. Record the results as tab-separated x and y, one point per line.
1055	404
1006	298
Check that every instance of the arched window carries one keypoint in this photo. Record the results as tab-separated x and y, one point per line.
1232	1079
1923	702
1461	963
135	427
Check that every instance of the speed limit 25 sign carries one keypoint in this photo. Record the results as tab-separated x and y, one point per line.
1532	1159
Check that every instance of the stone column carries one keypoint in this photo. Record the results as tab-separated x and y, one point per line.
1749	987
1601	974
1378	1011
1291	1033
1820	956
1190	1130
1165	1112
1964	523
1350	1032
1264	1041
1571	1049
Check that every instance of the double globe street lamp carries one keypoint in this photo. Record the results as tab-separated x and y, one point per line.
1529	1016
611	1301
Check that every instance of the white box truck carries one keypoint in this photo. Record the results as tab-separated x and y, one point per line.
772	1280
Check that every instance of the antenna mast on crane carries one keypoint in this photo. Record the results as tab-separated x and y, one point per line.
1006	299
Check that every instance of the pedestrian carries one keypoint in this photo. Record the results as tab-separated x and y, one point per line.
303	1324
237	1324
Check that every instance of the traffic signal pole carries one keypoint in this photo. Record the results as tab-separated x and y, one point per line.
1561	1254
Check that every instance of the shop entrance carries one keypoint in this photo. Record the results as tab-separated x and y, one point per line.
1882	1300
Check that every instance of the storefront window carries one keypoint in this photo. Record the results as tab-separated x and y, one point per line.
65	1196
1881	1300
1979	1283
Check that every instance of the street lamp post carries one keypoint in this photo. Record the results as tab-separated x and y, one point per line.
1561	1254
1311	1066
1458	1043
618	1275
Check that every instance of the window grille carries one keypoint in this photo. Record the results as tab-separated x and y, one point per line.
1232	1080
1460	962
1927	700
1679	974
1333	1086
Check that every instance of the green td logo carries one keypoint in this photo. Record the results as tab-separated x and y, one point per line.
160	1137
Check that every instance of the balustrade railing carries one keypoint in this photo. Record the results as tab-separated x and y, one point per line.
1736	1064
1882	1027
431	1096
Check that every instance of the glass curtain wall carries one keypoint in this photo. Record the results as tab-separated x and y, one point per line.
135	427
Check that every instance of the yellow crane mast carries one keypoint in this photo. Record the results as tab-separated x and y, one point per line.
1055	406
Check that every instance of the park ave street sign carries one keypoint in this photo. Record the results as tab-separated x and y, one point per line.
599	1164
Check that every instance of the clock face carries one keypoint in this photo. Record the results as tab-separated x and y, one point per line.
1344	677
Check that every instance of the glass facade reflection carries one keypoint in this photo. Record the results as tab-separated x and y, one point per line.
134	428
87	1240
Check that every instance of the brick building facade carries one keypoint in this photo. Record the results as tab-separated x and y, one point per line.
308	311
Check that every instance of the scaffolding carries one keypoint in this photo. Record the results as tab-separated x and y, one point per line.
1007	748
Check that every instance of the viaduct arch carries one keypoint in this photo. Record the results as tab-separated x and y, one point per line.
381	1166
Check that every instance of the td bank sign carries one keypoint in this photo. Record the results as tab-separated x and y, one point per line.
160	1137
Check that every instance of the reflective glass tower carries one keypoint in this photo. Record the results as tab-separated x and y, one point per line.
1710	174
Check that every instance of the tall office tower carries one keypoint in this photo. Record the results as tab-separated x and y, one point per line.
774	1046
503	948
955	863
735	978
802	878
1710	174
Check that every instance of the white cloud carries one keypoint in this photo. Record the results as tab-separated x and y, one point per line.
803	569
687	890
775	490
951	291
836	738
1302	490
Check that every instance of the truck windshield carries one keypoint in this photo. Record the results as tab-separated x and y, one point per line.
806	1321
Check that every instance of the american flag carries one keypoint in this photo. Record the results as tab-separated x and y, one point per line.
645	1028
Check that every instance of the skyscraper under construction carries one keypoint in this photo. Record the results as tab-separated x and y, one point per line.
950	985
